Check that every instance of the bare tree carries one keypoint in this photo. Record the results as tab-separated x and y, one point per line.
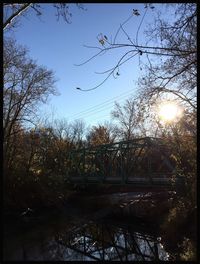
175	75
78	128
129	118
99	135
62	129
25	86
112	129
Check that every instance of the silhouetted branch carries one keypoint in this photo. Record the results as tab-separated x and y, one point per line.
16	14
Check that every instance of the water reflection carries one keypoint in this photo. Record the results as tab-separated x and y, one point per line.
103	241
92	241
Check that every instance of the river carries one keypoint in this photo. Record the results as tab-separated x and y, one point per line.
82	235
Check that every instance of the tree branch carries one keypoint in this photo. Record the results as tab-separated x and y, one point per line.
16	14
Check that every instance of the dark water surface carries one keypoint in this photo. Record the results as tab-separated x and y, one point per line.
74	236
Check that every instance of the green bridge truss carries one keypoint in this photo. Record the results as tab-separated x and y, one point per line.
143	160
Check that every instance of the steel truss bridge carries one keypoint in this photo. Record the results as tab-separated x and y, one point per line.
139	161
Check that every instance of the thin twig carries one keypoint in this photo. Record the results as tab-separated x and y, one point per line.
119	27
119	64
140	25
86	90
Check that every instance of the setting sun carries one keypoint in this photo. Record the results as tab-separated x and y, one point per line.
169	111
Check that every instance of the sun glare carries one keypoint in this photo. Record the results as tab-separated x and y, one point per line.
169	112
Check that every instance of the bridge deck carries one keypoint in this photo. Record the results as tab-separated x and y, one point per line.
118	180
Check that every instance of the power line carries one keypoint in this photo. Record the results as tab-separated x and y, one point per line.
93	112
102	105
100	117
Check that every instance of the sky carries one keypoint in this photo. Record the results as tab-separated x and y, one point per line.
58	46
